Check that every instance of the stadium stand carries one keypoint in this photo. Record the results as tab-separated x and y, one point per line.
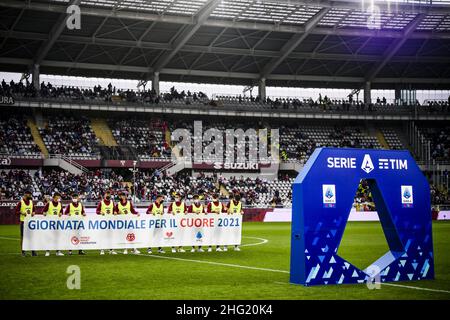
16	138
392	138
299	143
14	182
440	142
70	136
113	95
255	192
147	137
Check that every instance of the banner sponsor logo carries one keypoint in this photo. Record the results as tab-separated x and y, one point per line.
329	195
104	232
169	235
367	163
75	241
236	166
199	236
407	196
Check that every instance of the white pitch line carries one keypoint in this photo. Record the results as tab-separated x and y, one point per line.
8	238
275	270
257	268
212	262
389	284
263	241
415	288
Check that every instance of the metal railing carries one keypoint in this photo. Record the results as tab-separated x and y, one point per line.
69	160
412	111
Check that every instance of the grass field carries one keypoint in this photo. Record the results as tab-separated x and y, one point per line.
259	271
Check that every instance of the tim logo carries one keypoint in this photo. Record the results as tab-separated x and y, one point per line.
131	237
169	235
75	241
407	196
199	236
367	164
329	195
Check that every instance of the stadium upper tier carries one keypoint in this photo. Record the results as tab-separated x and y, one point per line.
148	137
340	43
180	99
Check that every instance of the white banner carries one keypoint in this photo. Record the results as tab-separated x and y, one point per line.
129	231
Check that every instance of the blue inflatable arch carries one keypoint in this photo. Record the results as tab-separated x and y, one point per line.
323	195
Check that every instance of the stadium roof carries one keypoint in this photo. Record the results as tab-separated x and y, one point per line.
324	43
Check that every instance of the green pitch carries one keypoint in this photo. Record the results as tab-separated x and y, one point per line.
259	271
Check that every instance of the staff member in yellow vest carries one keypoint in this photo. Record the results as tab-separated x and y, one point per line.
124	206
157	209
177	207
235	207
198	208
73	209
53	208
215	206
106	207
23	208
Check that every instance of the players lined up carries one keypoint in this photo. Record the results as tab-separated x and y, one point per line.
124	206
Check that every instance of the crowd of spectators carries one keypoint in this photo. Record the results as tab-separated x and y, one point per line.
249	189
298	142
16	138
43	183
147	137
112	94
70	136
363	197
91	184
439	196
26	89
440	142
327	104
13	89
150	183
13	183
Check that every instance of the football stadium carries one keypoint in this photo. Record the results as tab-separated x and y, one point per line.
224	149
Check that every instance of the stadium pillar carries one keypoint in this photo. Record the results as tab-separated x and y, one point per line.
398	94
155	82
367	97
262	88
35	76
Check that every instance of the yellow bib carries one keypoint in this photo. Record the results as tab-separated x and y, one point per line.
216	209
157	210
178	209
73	211
198	209
106	209
234	208
25	209
124	209
53	210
